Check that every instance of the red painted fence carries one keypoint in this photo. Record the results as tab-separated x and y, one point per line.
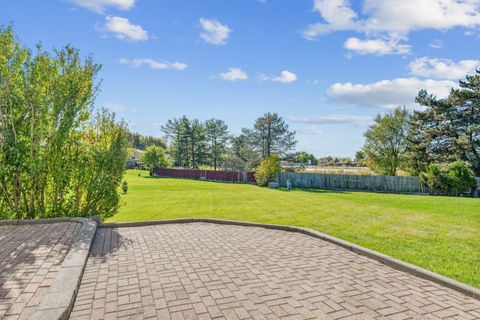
225	176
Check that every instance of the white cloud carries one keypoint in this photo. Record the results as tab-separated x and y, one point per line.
114	107
284	77
393	19
407	16
330	119
155	65
376	46
388	94
123	29
442	68
214	32
233	74
337	15
100	6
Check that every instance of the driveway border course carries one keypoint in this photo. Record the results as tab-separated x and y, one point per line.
380	257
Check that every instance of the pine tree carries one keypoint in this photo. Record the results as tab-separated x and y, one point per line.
271	135
447	129
217	136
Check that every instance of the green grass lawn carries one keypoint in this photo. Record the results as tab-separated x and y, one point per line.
437	233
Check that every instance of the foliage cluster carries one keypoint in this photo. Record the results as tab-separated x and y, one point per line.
449	179
141	142
385	142
447	130
268	169
57	158
154	157
302	157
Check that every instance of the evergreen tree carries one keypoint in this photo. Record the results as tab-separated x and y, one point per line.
270	134
217	136
188	146
447	129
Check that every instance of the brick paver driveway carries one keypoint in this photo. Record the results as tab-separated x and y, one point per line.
205	271
30	256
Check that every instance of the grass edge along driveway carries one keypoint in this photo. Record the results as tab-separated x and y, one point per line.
441	234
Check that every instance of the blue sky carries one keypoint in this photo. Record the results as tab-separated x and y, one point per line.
326	66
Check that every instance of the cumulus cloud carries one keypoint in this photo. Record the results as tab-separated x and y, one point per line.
284	77
409	15
378	20
123	29
100	6
214	32
233	74
330	119
337	15
388	94
155	65
442	68
376	46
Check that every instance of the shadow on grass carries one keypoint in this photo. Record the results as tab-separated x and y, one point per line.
320	191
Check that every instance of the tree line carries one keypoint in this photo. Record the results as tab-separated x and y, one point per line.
440	142
193	143
141	142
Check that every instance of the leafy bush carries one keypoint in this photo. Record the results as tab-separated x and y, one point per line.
155	157
461	178
453	179
268	170
57	157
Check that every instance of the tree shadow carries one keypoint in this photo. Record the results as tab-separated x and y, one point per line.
30	255
316	190
107	242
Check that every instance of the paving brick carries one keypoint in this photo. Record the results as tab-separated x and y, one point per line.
209	271
30	256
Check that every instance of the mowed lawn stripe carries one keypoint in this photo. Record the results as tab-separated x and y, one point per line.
441	234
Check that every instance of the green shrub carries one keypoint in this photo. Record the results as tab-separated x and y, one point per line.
267	170
435	178
155	157
452	179
461	178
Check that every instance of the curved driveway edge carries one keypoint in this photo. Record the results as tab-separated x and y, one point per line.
59	300
385	259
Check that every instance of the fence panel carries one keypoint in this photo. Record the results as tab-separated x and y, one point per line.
353	182
219	175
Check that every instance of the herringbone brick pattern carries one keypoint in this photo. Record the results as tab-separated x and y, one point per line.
30	256
208	271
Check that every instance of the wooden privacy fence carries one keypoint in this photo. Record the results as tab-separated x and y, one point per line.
225	176
353	182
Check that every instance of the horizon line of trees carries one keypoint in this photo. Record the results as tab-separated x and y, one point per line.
141	142
440	143
192	143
